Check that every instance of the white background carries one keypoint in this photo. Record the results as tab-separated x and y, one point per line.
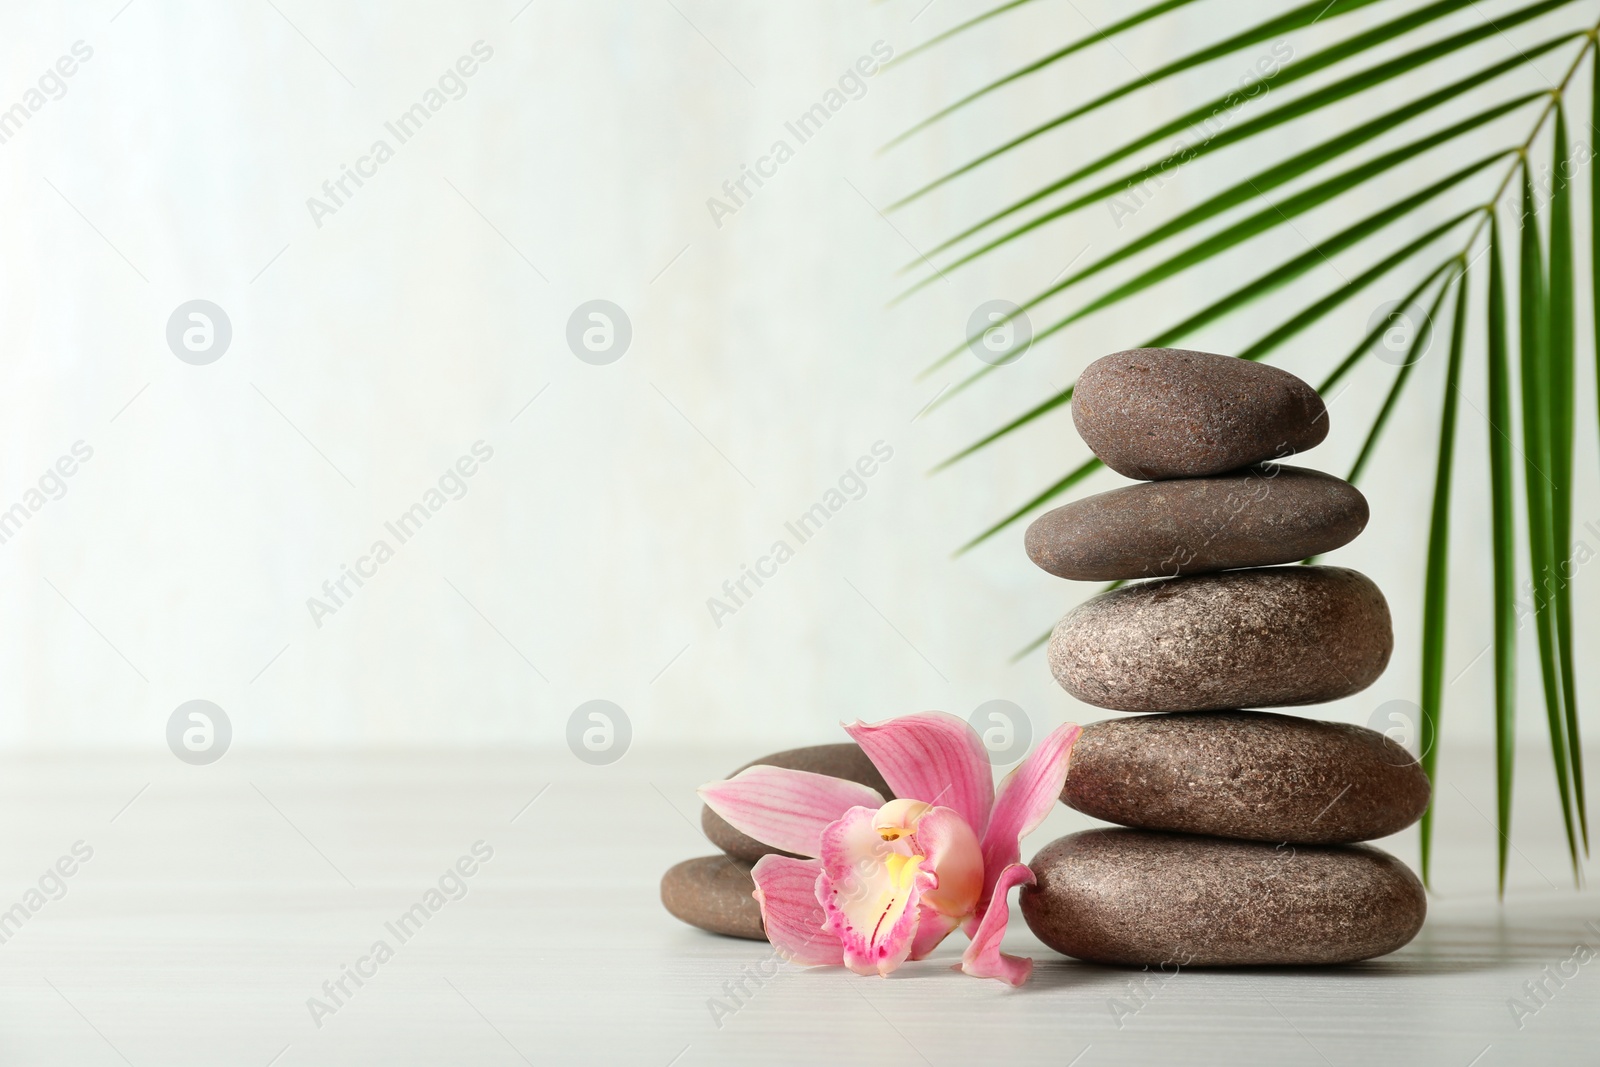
372	351
430	711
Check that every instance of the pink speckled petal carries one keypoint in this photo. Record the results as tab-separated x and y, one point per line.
786	888
870	890
934	757
983	958
1026	796
785	809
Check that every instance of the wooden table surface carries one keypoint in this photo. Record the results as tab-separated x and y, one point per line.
216	901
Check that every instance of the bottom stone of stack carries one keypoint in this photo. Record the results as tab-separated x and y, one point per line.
714	893
1144	898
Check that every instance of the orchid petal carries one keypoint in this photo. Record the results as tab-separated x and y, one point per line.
786	888
783	808
1026	796
951	852
983	958
934	757
932	928
870	890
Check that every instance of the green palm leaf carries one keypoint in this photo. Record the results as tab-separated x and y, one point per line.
1533	315
1503	521
1059	54
1435	595
1560	390
1419	344
962	27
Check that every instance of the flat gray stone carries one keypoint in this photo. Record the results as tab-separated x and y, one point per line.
1246	774
1275	637
1154	413
841	761
714	893
1257	517
1141	898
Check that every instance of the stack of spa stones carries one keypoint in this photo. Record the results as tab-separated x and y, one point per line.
1243	825
715	892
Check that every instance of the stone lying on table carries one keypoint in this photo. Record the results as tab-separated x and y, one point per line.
1154	413
1274	637
1141	898
1246	774
1257	517
840	761
714	893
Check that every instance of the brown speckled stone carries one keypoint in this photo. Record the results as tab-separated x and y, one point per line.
1275	637
841	761
1155	413
1137	897
1246	774
1256	517
714	893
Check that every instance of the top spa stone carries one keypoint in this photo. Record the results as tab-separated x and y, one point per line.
1155	413
844	760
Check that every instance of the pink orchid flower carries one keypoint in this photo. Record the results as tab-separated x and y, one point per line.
881	883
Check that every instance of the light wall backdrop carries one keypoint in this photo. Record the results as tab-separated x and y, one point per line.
385	332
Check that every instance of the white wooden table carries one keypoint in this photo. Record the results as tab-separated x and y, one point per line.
221	898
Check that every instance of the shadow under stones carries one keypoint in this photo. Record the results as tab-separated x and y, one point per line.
1446	945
